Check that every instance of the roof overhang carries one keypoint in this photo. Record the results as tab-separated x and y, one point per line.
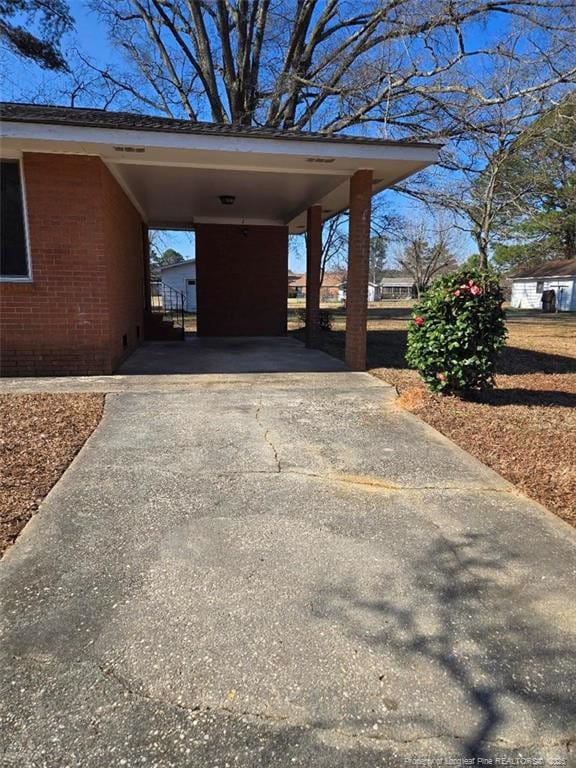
538	278
175	179
186	263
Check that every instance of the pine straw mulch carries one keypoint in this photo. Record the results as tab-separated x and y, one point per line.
39	437
525	430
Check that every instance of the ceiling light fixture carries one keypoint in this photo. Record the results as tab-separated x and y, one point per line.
227	199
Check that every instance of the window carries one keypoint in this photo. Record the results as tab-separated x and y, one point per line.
13	250
539	286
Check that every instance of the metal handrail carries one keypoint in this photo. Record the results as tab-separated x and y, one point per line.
168	302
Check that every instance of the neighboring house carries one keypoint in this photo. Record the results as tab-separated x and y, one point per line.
182	278
333	286
558	276
387	288
292	288
373	291
397	288
297	287
80	189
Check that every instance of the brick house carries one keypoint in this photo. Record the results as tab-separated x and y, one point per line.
81	187
330	288
292	288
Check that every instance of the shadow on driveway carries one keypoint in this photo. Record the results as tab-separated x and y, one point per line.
480	630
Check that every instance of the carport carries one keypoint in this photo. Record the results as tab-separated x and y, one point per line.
242	190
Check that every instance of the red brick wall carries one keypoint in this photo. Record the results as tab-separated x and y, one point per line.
358	269
126	269
84	246
242	274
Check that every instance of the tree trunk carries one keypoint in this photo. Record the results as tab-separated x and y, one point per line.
482	243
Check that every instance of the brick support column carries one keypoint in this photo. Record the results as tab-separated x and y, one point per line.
358	266
313	258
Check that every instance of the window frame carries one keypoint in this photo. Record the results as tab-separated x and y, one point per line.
28	277
541	284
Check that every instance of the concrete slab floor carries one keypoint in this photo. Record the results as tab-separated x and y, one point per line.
262	354
198	362
291	574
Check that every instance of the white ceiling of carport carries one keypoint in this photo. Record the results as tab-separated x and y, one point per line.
177	196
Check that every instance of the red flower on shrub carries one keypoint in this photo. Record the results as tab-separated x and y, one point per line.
475	290
457	292
419	320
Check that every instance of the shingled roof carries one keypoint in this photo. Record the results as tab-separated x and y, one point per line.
558	268
330	280
100	118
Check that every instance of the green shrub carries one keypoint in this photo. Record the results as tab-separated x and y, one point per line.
456	332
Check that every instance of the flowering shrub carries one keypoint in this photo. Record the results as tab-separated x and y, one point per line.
456	332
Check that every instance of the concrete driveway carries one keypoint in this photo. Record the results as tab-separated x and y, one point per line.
287	572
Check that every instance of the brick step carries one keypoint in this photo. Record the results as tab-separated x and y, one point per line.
157	328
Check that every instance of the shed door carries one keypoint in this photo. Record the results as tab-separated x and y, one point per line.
562	289
563	297
191	295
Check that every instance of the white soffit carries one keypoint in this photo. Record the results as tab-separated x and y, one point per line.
175	179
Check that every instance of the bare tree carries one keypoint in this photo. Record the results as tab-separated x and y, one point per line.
472	180
427	252
473	71
403	65
334	245
480	194
334	257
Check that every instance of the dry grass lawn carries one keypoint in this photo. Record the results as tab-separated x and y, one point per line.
525	429
39	437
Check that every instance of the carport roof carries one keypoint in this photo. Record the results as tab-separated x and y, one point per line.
176	172
100	118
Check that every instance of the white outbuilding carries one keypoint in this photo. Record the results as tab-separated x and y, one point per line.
531	286
181	277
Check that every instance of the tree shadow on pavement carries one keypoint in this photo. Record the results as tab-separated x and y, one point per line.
482	637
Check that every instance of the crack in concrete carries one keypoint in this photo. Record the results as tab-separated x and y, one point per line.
267	440
325	728
364	481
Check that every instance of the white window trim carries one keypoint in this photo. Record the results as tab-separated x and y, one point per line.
28	278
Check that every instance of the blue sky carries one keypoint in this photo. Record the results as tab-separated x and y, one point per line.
25	81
